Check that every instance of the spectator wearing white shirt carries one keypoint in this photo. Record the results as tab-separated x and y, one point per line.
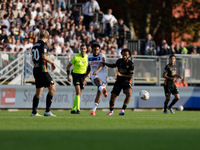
34	12
67	47
73	40
43	12
6	22
60	38
5	58
108	21
90	33
37	4
12	45
32	21
58	47
19	5
89	11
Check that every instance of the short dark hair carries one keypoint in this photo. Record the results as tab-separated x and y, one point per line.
126	50
95	45
172	55
83	44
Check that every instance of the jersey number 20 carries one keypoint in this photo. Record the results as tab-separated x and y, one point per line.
36	54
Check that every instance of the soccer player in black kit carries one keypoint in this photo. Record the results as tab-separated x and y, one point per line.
41	75
123	81
170	74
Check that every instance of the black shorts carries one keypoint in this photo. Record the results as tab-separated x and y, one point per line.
170	90
118	86
78	79
42	79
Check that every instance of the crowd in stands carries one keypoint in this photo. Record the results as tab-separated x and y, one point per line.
22	20
149	48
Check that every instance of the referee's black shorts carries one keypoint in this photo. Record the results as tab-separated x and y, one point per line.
42	79
78	79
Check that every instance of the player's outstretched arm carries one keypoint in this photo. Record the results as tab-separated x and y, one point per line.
45	57
178	76
109	65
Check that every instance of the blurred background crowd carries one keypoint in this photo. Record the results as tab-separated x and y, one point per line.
22	20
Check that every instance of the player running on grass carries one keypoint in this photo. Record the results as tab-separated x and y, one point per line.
41	75
98	74
170	75
124	75
80	62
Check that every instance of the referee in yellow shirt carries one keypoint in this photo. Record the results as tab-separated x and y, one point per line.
80	62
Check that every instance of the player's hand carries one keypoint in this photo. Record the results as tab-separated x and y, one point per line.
84	82
118	73
69	78
104	61
53	66
173	79
95	73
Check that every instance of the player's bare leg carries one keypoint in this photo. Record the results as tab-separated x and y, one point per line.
166	104
98	95
176	98
128	93
36	98
112	103
49	99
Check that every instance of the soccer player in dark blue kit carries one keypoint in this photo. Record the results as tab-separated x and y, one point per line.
124	75
170	75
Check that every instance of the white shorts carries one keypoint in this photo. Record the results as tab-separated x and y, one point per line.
103	78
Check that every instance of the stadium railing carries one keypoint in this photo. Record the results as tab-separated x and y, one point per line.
148	69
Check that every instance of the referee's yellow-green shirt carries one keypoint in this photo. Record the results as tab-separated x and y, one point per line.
80	63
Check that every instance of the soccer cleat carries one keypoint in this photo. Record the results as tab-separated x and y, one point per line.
78	112
37	115
73	112
105	92
122	113
49	114
93	113
110	113
165	112
171	110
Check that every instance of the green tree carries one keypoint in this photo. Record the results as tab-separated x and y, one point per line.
157	17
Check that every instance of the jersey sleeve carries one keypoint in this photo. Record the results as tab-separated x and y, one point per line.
165	70
73	60
116	63
102	57
45	48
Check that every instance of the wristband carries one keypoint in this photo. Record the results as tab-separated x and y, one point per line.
68	72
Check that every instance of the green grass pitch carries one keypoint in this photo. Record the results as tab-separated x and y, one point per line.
137	130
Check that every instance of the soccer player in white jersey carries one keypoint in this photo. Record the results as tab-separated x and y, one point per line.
98	74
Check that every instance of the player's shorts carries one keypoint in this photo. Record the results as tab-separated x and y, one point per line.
42	79
170	90
78	79
102	77
118	86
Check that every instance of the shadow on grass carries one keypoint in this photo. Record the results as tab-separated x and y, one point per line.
147	139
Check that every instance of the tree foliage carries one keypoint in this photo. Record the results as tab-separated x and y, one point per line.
158	17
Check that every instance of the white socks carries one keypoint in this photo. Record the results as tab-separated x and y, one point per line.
95	106
100	88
